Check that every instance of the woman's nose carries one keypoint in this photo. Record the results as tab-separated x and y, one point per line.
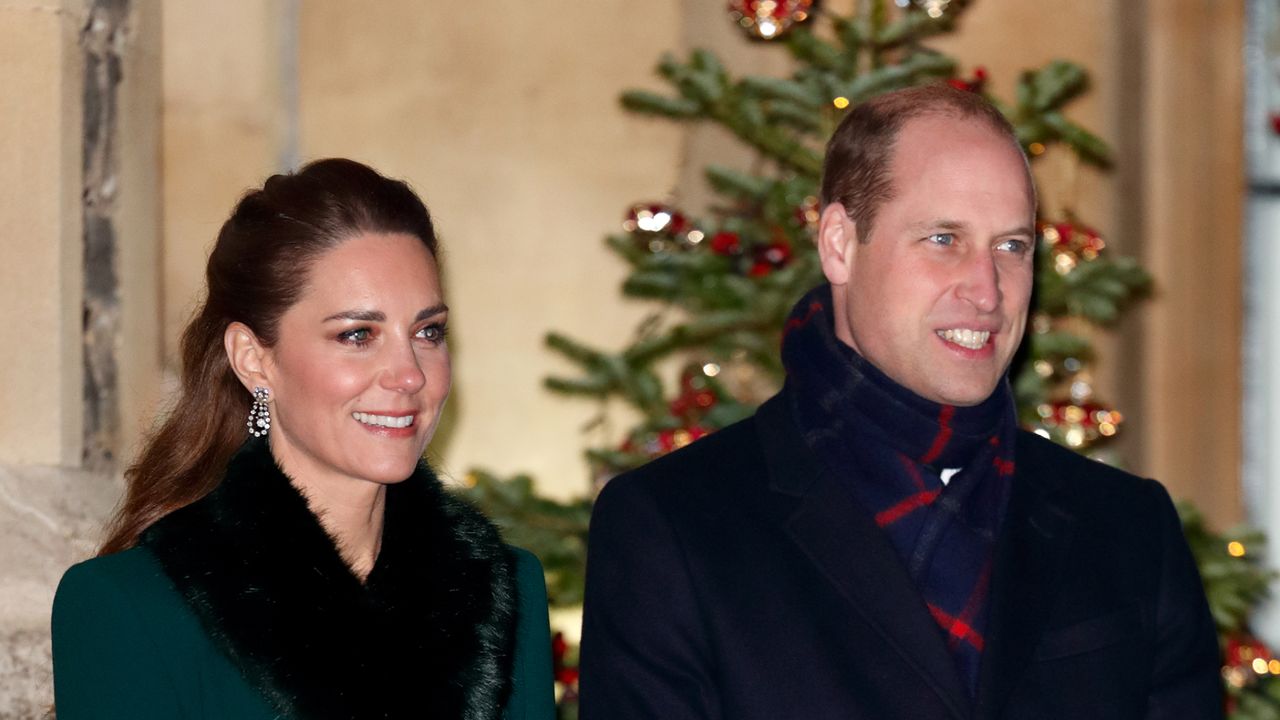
404	370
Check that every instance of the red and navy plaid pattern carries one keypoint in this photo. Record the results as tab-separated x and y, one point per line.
890	445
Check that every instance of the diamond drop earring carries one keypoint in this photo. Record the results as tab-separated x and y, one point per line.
260	413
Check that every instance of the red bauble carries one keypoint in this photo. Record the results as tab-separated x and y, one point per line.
679	407
975	85
806	214
695	398
759	268
679	224
658	227
692	379
655	218
667	440
769	19
1242	650
1079	240
776	254
726	243
558	647
564	674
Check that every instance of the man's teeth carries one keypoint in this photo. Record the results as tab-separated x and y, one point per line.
384	420
972	339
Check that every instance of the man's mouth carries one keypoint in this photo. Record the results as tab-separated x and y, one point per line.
389	421
966	338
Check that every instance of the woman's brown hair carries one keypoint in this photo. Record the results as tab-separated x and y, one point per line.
257	270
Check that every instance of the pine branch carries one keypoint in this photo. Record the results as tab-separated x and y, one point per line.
814	52
892	77
914	27
649	103
699	331
1059	344
743	186
1234	584
1096	290
778	89
1052	86
1089	146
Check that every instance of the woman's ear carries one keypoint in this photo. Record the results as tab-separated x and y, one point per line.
836	236
248	356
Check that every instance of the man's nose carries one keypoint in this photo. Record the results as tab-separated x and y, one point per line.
980	285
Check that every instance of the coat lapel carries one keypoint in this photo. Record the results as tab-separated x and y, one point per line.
855	555
1029	556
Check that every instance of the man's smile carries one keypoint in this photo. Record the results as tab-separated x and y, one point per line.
966	338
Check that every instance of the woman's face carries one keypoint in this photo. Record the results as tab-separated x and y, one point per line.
360	369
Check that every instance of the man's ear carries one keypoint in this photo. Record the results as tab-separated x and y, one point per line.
247	355
836	237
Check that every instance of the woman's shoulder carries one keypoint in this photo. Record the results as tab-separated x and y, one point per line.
134	572
526	563
125	591
119	636
126	645
530	582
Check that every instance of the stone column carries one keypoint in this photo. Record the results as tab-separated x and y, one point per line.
80	142
79	281
121	319
41	278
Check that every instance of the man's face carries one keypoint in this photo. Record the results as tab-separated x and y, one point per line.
937	297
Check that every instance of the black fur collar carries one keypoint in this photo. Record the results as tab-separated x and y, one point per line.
428	635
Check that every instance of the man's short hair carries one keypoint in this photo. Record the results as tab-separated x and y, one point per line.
856	172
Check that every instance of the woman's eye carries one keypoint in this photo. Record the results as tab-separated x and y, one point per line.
433	333
358	336
941	239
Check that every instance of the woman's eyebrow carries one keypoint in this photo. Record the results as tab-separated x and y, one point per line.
364	315
379	316
433	310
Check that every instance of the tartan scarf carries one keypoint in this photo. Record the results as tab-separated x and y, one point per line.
888	446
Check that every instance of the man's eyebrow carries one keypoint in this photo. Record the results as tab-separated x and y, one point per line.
948	224
939	224
1027	230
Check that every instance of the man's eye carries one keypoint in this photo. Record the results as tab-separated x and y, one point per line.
941	239
1014	245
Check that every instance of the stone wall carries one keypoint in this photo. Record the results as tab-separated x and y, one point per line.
52	518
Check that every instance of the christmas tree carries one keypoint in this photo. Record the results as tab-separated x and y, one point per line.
722	285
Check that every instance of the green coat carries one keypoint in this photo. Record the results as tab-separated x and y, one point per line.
125	645
239	606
